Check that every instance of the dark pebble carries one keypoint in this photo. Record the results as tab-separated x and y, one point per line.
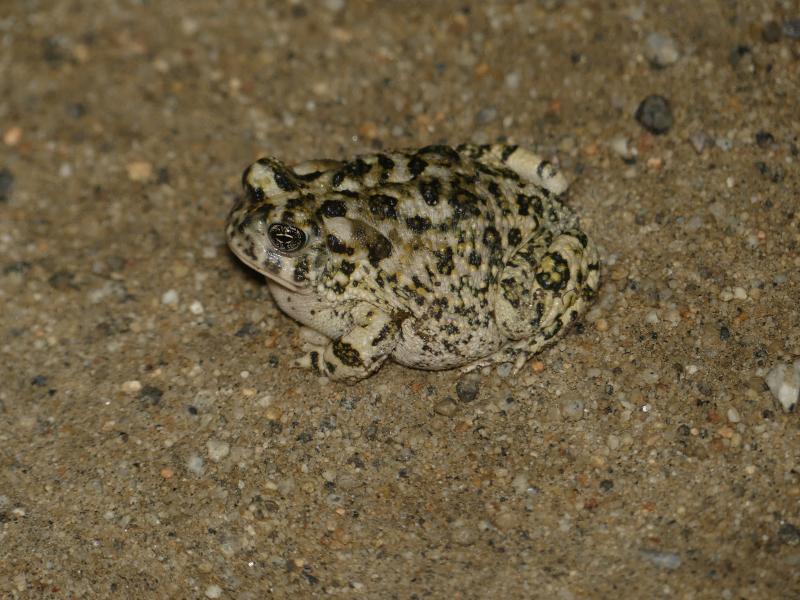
151	395
247	329
791	29
775	174
724	333
606	485
764	139
62	280
684	429
772	32
655	114
76	110
19	266
6	183
467	388
789	534
53	51
39	380
738	53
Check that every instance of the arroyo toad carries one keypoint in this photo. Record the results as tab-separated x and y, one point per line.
438	257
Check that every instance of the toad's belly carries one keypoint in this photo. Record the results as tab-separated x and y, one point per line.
444	346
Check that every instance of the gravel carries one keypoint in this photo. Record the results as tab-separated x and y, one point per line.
467	388
661	50
783	381
655	114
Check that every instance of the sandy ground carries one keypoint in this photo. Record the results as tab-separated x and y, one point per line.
154	441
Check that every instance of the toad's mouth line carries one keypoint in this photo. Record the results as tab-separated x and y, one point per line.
291	286
271	277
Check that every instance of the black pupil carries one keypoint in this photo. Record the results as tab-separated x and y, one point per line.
286	238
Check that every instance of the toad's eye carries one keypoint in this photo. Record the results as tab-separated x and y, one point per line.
285	237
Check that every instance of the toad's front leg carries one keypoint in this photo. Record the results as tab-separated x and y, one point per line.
360	351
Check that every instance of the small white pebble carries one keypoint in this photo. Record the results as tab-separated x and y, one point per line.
217	449
783	381
739	293
612	442
726	295
571	408
213	591
170	298
733	415
195	464
651	318
691	369
132	386
520	483
196	308
139	170
65	170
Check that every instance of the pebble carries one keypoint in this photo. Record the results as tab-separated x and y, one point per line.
655	114
12	136
783	381
462	534
132	386
467	388
6	184
486	115
622	147
733	415
789	534
139	170
520	483
217	449
170	298
196	308
504	370
791	29
664	560
506	520
213	591
571	408
195	464
700	140
446	407
661	50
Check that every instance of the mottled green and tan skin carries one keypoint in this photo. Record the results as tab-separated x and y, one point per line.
439	257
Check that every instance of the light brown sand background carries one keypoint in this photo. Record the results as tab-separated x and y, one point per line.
154	441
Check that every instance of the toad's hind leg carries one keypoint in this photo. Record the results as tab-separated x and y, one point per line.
545	285
528	165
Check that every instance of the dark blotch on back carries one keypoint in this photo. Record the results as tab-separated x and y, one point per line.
416	165
491	237
430	190
418	224
383	206
514	237
385	162
283	181
444	261
355	169
464	203
441	150
333	208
